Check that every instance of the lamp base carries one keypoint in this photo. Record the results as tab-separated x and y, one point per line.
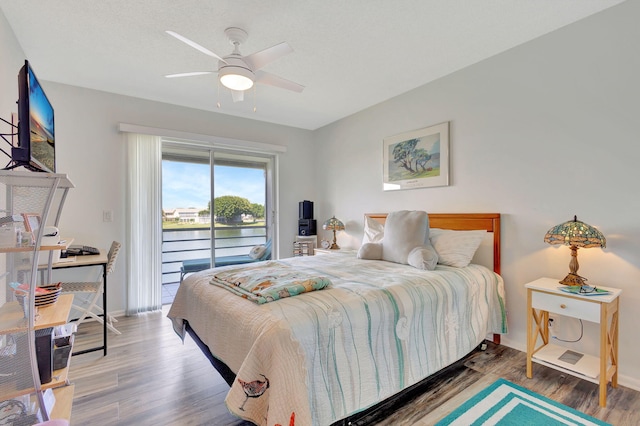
574	279
334	244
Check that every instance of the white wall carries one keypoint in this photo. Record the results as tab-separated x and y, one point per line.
11	55
12	59
539	133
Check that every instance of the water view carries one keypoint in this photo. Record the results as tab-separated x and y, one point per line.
238	213
228	242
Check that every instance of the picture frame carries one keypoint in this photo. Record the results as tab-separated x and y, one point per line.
31	222
417	159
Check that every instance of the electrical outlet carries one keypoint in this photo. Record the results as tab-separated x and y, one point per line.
552	330
107	215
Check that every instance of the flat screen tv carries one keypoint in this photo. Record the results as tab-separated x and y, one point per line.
36	148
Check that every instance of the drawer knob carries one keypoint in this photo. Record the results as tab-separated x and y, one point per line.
563	306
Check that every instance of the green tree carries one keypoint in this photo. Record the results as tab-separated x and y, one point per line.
230	207
404	153
257	211
422	157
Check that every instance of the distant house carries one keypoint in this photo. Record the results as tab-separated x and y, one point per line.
185	215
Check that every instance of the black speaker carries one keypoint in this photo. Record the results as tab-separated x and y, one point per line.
305	210
307	227
44	353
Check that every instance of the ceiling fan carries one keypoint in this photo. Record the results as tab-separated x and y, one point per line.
238	73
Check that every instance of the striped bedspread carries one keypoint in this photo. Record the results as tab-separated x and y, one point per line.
321	356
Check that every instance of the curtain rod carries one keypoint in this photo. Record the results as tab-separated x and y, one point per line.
214	141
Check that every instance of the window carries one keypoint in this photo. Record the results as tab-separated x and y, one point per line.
208	188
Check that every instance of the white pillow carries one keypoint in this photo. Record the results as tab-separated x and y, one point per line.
373	231
455	248
257	252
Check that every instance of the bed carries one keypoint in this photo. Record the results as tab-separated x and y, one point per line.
378	329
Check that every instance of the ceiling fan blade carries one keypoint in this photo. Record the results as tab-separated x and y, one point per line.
260	59
195	45
237	95
273	80
189	74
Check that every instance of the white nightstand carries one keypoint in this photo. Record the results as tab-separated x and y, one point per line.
320	251
543	297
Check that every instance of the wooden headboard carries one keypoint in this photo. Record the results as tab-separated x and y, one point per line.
463	222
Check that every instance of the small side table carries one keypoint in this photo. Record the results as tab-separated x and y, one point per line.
543	297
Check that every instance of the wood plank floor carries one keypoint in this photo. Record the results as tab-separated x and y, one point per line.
150	377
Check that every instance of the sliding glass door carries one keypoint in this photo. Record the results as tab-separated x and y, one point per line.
205	189
186	222
239	204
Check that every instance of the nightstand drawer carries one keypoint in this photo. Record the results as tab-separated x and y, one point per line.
566	306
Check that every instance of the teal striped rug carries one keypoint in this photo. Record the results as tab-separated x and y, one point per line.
504	403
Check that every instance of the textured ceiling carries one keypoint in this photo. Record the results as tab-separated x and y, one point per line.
350	54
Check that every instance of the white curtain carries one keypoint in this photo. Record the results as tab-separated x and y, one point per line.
144	224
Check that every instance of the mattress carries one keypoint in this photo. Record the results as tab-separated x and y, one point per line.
318	357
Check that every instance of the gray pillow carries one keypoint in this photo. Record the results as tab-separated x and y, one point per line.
424	257
372	251
406	241
404	230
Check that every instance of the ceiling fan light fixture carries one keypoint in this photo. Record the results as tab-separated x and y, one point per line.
239	73
236	78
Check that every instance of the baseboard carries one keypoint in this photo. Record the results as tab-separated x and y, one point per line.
623	380
629	382
117	314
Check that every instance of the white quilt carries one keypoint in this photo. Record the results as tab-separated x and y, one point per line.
321	356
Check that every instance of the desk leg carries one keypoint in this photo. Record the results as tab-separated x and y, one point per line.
530	340
104	308
102	263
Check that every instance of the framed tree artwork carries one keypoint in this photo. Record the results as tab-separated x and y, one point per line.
417	159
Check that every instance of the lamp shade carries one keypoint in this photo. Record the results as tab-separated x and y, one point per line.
575	233
333	224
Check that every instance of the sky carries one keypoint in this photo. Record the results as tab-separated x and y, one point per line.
187	185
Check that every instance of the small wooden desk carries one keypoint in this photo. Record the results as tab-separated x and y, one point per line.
88	261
